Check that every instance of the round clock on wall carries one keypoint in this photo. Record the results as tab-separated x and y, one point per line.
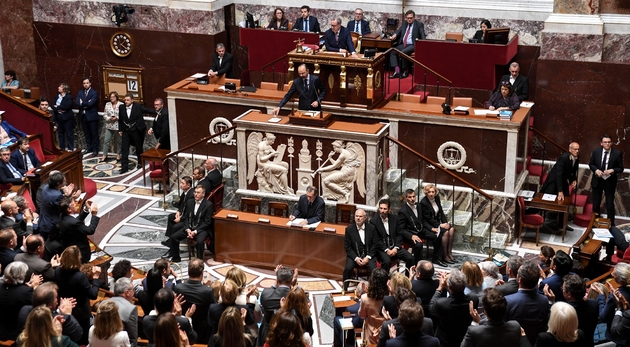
121	44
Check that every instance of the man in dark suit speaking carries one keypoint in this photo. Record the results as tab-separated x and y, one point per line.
131	127
359	25
520	84
361	242
410	31
310	89
338	39
221	63
310	206
606	163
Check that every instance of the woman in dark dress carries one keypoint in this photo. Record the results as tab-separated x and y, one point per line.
64	117
75	284
505	99
278	22
480	35
434	218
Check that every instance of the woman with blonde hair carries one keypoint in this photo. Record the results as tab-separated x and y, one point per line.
562	328
167	333
231	332
247	295
229	292
396	280
41	330
297	303
107	330
434	219
285	331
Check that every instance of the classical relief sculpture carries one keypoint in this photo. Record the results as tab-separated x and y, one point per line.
348	168
266	164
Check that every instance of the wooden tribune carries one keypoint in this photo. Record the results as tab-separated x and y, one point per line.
246	241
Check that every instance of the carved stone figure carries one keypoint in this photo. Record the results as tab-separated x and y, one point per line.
265	163
348	168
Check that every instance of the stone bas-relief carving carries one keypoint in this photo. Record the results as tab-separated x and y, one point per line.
265	163
340	176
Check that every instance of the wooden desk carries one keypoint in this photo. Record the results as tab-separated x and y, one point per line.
553	206
155	155
345	303
377	43
246	241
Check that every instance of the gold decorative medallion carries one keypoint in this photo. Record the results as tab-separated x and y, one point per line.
377	79
331	82
121	44
357	83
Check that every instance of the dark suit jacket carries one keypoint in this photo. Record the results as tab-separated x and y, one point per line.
530	310
63	112
316	92
7	256
70	327
365	26
413	340
89	105
128	313
494	333
395	237
478	36
214	315
620	327
429	217
615	162
424	289
49	209
202	221
37	266
510	287
136	120
161	129
315	214
546	339
12	299
427	328
6	175
334	45
20	228
453	316
148	325
520	86
75	284
270	302
202	296
417	32
17	160
588	317
284	25
352	241
313	24
408	223
183	198
75	232
212	180
561	175
225	68
555	285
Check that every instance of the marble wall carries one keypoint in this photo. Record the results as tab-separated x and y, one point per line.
18	48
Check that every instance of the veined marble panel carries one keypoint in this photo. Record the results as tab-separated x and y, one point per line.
616	48
575	47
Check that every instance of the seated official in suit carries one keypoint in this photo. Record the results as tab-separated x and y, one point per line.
413	230
174	221
406	36
412	320
359	25
520	84
306	22
23	228
221	63
480	35
387	227
8	172
24	158
213	178
310	206
278	21
310	89
73	230
163	300
435	220
197	224
504	100
496	331
338	39
36	265
361	242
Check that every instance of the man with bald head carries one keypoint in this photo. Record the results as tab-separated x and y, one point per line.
563	173
309	89
10	210
361	243
213	175
37	265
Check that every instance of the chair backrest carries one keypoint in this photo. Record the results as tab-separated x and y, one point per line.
521	208
18	93
344	213
36	145
278	209
251	205
435	100
29	200
233	80
269	85
411	98
216	198
35	94
459	101
459	37
356	41
290	26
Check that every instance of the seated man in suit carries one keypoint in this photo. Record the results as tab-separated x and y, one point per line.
310	89
197	225
213	178
270	298
221	63
561	265
338	39
359	25
163	300
128	312
32	258
406	36
310	206
24	159
306	22
511	286
520	84
197	175
196	292
8	172
411	226
386	225
174	222
22	229
361	242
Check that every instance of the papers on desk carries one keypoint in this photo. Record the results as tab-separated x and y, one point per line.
341	298
346	324
274	119
527	104
461	108
602	234
46	164
484	112
526	194
199	75
298	222
549	197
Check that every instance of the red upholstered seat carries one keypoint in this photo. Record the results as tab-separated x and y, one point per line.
90	187
156	174
29	199
583	219
533	221
620	256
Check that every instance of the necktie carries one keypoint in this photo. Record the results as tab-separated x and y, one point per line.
337	36
605	161
25	162
356	27
406	37
15	172
306	25
305	88
220	61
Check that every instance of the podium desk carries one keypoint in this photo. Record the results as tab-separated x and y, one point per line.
553	206
378	43
249	242
467	65
265	46
355	82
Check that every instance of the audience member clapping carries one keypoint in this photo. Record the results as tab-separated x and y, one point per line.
229	293
42	330
153	282
166	302
397	280
231	331
563	328
411	320
608	304
474	279
297	302
490	272
14	294
167	333
401	295
248	296
285	331
107	330
495	331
